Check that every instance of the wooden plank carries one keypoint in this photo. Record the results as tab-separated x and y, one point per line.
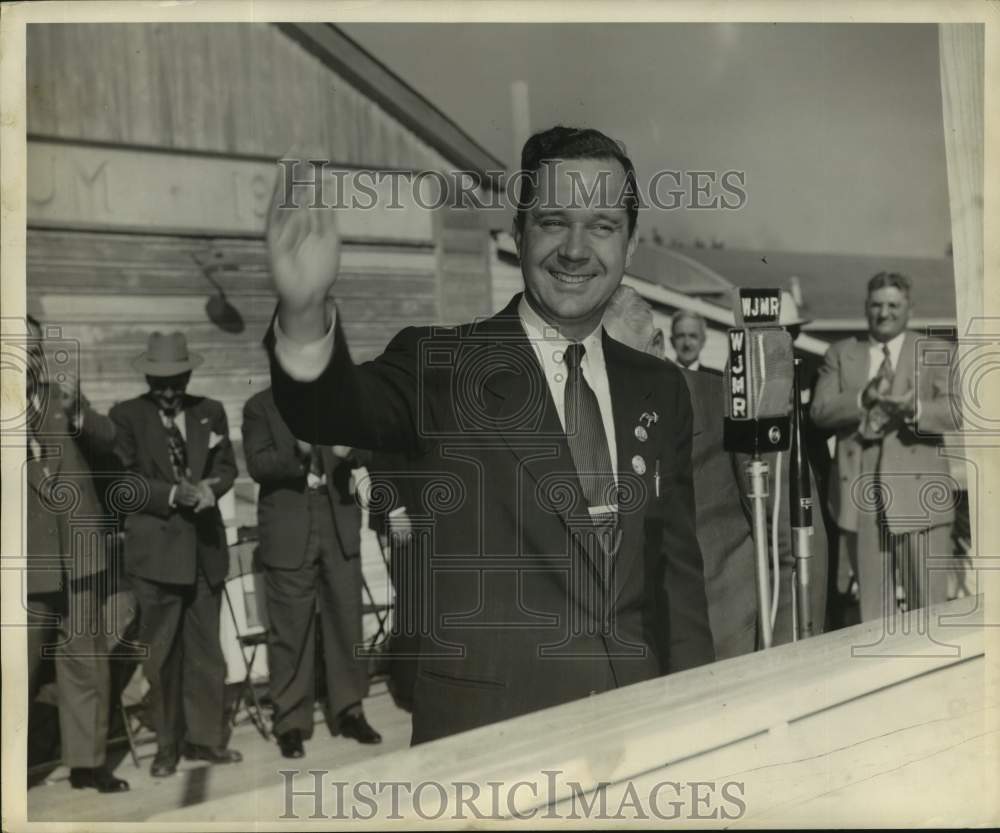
84	186
674	721
242	89
55	800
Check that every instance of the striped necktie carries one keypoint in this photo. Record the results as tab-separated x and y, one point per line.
176	445
588	443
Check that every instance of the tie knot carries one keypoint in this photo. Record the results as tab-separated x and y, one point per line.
574	355
885	351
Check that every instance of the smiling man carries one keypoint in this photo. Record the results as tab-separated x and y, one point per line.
560	507
687	335
890	399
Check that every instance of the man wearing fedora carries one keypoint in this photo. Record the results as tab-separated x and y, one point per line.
175	550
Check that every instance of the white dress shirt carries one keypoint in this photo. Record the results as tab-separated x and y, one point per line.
304	362
549	348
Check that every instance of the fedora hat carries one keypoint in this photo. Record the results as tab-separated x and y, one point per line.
166	355
790	315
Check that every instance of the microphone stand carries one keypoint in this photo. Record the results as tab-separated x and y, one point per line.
757	471
800	512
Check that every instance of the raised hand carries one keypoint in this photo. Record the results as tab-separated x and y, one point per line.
69	392
304	247
903	406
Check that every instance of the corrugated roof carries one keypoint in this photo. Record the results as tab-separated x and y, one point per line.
833	286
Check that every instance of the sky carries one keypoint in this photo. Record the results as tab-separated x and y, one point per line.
837	128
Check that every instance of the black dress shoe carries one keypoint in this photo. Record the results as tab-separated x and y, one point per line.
290	743
165	762
212	754
97	778
355	726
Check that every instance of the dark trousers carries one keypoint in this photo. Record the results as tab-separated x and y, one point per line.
333	579
77	628
186	669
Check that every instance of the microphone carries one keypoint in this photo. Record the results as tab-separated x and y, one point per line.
800	512
758	376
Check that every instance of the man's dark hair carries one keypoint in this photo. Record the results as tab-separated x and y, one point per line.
884	280
573	143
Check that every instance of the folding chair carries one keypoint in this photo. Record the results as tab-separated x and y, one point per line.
248	622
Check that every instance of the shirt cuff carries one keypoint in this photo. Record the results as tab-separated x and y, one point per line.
304	362
170	497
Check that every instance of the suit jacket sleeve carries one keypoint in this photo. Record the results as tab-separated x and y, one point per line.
382	396
265	461
126	449
939	410
690	635
97	431
833	407
222	460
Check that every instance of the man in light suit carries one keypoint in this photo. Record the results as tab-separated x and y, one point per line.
564	561
310	546
70	578
175	550
889	399
724	512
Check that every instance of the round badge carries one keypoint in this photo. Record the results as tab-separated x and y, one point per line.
638	465
640	434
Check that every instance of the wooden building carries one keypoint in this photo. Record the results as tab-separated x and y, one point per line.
151	160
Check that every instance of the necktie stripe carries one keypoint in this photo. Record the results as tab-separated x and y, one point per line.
588	444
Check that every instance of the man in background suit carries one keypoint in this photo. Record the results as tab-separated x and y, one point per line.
395	513
564	560
175	550
310	546
724	513
73	585
889	399
687	336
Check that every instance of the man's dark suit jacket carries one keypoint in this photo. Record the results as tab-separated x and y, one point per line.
282	508
164	543
520	623
65	460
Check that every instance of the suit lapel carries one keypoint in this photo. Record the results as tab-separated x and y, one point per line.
157	435
51	444
856	372
518	401
903	375
282	433
197	441
631	393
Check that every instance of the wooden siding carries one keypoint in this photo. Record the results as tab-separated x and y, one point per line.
107	292
231	88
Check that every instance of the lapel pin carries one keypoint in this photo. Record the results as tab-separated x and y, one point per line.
640	434
638	464
649	419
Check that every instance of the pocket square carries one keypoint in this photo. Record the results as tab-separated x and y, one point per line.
214	439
